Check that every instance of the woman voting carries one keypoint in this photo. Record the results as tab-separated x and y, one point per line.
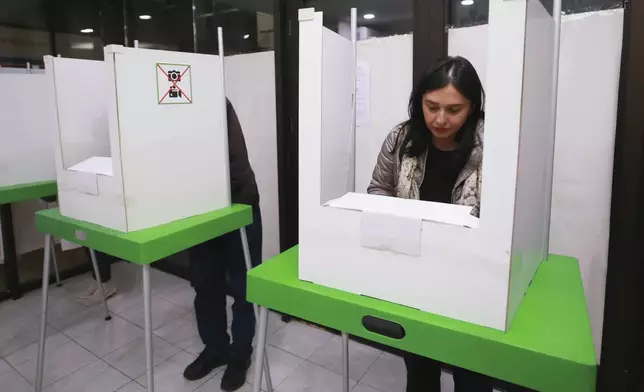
436	155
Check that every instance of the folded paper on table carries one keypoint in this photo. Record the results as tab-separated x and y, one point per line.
95	165
450	214
391	233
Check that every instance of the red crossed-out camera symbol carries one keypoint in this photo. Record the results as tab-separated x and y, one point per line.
174	80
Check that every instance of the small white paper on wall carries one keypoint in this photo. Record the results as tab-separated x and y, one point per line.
363	93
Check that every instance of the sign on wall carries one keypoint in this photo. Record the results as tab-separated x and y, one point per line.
174	83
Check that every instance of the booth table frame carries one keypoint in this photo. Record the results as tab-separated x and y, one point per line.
549	346
143	248
15	194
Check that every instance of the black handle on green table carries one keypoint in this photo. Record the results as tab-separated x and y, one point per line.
383	327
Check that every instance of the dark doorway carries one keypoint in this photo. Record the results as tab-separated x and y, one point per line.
622	359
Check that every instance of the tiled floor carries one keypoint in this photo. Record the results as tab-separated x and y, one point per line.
84	353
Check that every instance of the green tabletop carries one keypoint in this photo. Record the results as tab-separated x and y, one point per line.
149	245
22	192
549	346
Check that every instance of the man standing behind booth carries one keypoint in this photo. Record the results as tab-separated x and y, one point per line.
218	265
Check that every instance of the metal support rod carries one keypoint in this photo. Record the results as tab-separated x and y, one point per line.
194	27
224	104
55	262
148	328
43	314
350	181
345	362
99	283
249	266
260	350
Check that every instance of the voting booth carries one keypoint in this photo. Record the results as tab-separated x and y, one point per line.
142	137
28	129
432	256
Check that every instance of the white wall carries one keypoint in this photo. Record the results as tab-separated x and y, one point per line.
27	134
26	150
586	115
250	86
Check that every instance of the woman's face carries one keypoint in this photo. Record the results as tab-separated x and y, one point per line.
445	111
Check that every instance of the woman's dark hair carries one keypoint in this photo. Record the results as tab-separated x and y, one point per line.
460	73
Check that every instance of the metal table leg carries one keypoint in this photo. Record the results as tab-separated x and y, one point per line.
259	327
12	279
148	328
99	283
260	352
53	252
43	314
55	262
345	362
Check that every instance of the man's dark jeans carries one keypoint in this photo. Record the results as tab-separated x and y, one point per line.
218	265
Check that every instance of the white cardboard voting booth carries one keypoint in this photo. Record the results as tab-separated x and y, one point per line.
432	256
142	137
27	132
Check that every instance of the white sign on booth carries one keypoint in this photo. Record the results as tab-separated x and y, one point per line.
174	83
432	256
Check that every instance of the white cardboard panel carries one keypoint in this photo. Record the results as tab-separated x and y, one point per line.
28	130
81	99
250	86
534	179
83	132
310	120
173	157
390	86
83	182
462	272
506	39
590	46
477	291
168	162
337	136
403	234
433	283
105	207
451	214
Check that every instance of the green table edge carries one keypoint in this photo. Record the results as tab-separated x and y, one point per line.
537	352
21	192
149	245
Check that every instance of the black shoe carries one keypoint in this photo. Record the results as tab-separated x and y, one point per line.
235	374
205	363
